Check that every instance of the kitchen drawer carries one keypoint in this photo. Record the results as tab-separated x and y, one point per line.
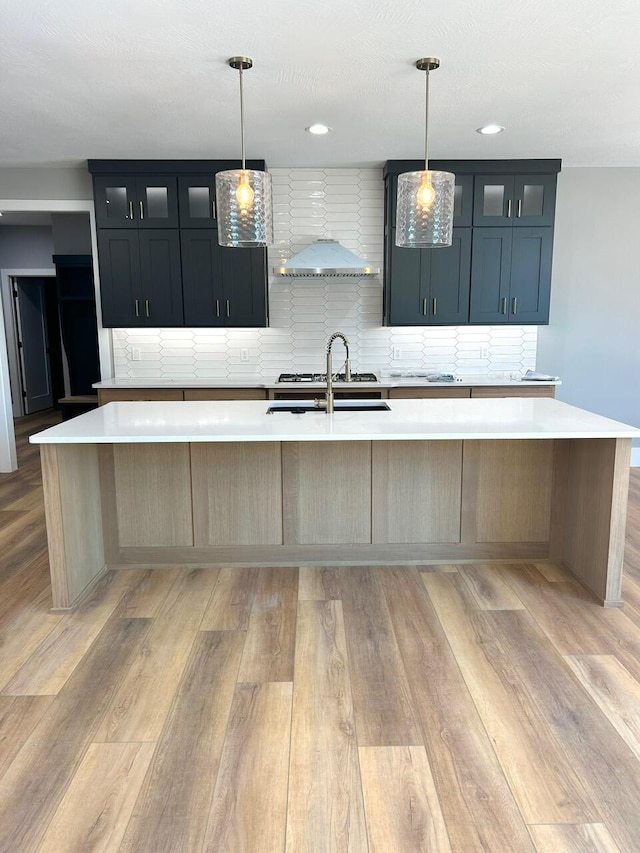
311	393
116	395
428	393
225	394
511	391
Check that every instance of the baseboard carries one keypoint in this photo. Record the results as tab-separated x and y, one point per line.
635	457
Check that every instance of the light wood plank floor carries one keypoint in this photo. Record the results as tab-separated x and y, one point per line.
453	708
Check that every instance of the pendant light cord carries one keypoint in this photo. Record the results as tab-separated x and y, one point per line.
426	125
242	118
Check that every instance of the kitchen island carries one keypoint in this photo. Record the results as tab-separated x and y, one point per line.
426	481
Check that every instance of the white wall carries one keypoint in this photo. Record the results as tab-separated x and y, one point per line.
46	183
593	339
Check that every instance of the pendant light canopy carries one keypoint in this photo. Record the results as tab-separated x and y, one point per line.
243	196
424	217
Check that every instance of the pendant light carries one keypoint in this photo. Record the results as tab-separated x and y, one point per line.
243	196
424	217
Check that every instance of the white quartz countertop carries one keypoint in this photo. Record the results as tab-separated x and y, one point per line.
260	382
439	420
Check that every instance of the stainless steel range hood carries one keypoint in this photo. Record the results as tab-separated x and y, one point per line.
323	259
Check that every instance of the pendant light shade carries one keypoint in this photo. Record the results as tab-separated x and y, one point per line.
424	211
243	196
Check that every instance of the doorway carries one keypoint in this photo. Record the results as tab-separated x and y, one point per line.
40	359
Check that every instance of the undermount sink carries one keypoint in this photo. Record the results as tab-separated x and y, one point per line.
301	407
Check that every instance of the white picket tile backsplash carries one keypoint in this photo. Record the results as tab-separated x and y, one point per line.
346	204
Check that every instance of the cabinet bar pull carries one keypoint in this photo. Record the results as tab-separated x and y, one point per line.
503	310
435	306
213	209
137	307
217	307
141	210
509	209
519	211
514	305
424	307
228	309
130	210
146	307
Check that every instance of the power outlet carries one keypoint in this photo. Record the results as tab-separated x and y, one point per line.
135	353
396	353
484	351
244	354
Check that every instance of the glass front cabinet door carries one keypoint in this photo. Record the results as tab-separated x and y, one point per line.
136	202
197	198
517	200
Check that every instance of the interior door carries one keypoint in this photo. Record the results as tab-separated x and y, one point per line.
31	316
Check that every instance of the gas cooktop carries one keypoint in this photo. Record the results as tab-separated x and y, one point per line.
322	377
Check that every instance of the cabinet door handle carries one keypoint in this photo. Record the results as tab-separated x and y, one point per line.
509	209
146	307
130	210
228	309
217	307
514	305
424	307
213	209
137	307
519	210
503	310
434	309
141	210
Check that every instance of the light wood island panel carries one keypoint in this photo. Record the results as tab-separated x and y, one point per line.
339	503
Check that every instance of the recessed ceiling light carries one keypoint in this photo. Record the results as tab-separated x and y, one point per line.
490	129
318	129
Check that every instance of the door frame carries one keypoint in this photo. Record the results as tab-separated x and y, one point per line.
13	352
8	457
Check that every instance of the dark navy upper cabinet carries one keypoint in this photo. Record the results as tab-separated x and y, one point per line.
517	200
430	286
197	199
222	287
530	289
120	279
490	275
511	275
115	199
450	280
157	202
534	200
498	269
136	202
161	278
493	200
140	282
159	258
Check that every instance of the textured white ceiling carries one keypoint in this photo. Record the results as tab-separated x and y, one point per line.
147	78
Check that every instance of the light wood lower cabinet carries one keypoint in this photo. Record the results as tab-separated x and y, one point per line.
327	492
110	395
416	491
153	494
492	391
513	495
225	394
344	502
123	395
237	493
429	393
